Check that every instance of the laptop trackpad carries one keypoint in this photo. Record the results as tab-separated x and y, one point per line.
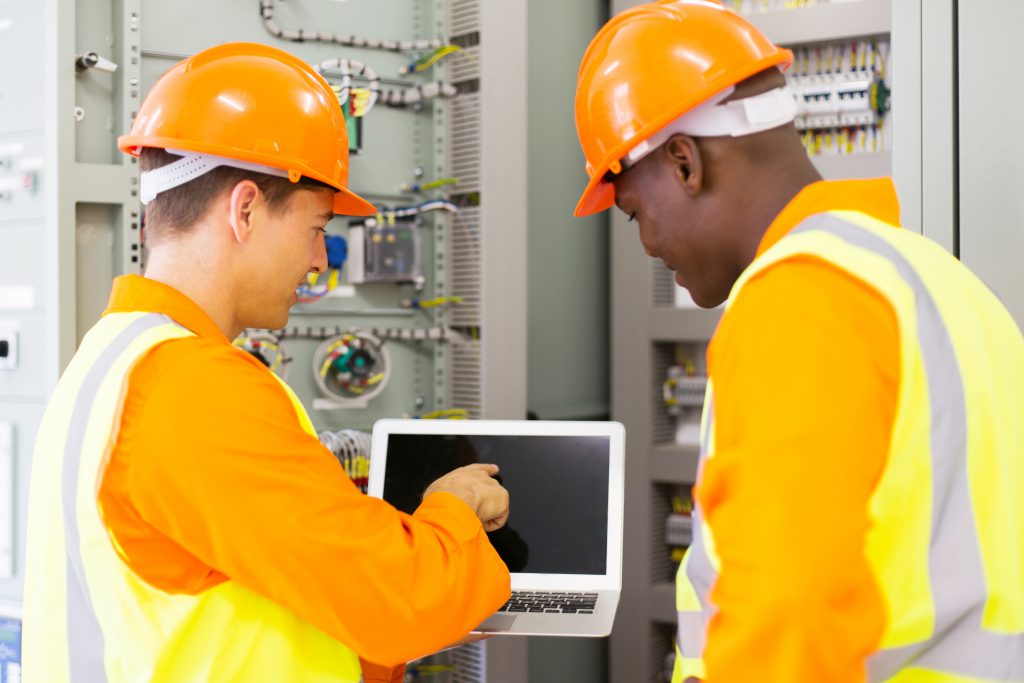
496	622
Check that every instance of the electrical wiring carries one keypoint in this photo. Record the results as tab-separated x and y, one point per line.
389	216
400	334
349	69
352	449
418	671
352	368
429	60
418	94
432	303
432	185
306	36
450	414
337	253
267	348
313	292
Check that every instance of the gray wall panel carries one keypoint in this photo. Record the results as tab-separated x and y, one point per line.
568	257
991	152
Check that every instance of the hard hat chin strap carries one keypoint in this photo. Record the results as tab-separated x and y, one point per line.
712	119
189	167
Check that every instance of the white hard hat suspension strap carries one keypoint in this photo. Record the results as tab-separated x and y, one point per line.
711	119
189	167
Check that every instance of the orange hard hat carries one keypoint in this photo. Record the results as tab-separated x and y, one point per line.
252	106
650	65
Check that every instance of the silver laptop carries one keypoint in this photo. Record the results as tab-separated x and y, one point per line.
563	540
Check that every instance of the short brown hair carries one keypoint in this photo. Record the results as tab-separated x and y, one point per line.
173	212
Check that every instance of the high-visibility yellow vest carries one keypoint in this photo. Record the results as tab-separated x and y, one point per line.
87	616
946	540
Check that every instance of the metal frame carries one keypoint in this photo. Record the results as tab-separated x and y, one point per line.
925	154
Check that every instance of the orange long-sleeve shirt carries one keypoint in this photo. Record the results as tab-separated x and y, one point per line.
805	367
211	477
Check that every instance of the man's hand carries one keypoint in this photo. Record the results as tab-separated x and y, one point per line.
475	485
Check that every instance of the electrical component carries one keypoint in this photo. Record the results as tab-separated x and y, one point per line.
304	36
683	388
267	349
8	348
678	530
679	527
91	60
352	449
314	290
389	252
842	97
351	368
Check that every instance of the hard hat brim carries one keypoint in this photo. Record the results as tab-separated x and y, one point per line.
346	202
598	196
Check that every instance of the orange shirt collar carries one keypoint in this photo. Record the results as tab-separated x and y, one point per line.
875	197
134	293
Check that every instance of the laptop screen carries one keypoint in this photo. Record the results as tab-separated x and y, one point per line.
558	489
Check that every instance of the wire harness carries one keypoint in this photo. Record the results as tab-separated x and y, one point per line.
352	368
267	348
352	449
306	36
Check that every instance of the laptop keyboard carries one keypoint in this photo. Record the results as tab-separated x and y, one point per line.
555	603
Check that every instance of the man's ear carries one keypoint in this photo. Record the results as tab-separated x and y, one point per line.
684	155
244	197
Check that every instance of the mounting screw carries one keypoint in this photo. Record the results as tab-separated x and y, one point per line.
79	114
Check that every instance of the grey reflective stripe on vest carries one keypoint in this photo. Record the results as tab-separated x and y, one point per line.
691	633
959	644
85	637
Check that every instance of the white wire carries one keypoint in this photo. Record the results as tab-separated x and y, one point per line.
349	68
419	93
304	36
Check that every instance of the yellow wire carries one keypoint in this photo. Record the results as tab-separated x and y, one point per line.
451	413
438	55
440	182
440	301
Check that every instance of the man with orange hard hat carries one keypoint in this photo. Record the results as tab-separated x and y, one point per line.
185	524
858	506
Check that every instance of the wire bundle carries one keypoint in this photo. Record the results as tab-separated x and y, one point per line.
352	449
432	185
450	414
429	60
352	367
306	36
363	99
389	216
314	290
268	349
418	94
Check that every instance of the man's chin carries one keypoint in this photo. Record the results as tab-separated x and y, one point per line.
269	322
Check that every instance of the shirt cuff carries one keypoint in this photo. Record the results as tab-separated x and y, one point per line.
448	510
